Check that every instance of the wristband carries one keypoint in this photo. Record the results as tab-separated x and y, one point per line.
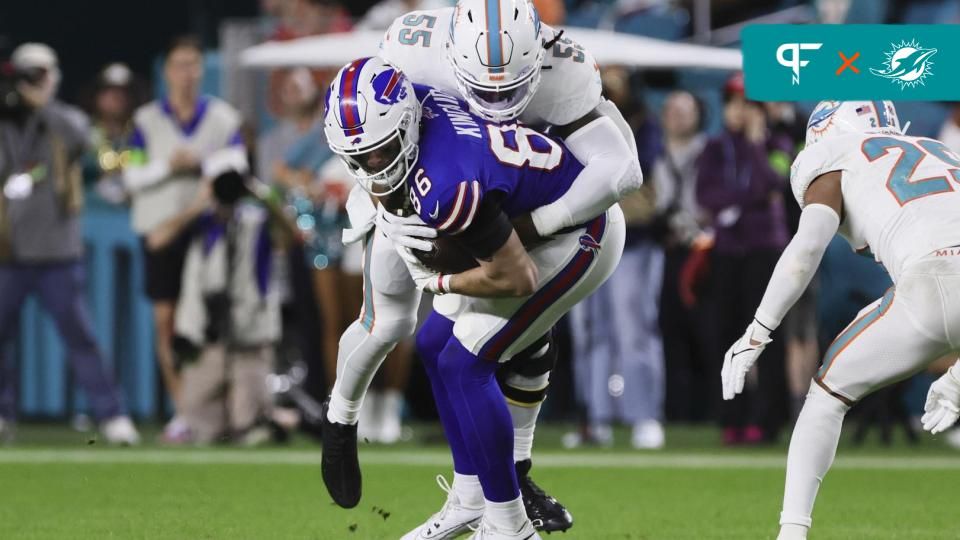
443	283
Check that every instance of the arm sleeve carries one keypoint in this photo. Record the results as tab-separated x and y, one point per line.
610	169
795	269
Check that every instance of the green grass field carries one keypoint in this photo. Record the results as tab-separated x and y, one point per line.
56	485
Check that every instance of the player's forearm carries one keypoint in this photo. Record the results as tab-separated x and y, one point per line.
797	265
611	169
509	273
477	282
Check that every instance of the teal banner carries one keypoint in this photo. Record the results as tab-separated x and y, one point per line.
784	62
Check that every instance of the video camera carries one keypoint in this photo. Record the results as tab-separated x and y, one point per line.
12	103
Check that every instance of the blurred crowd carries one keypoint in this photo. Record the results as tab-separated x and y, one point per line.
251	286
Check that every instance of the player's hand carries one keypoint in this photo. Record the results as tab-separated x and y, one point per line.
409	232
740	358
183	160
426	279
943	402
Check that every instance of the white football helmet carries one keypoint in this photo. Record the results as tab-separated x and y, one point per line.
372	121
833	118
496	51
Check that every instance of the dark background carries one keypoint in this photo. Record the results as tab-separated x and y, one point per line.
89	34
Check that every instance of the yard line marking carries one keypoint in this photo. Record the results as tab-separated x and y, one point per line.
435	458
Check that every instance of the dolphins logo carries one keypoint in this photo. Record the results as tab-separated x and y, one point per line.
907	64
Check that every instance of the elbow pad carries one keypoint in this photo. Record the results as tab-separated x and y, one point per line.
602	142
610	171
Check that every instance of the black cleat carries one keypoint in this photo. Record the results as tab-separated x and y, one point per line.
339	463
544	511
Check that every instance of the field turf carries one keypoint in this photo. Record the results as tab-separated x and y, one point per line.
56	484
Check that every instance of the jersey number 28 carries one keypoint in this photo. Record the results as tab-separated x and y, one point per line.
901	182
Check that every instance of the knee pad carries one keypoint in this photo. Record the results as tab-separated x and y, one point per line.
525	378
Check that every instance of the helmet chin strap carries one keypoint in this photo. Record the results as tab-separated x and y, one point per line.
549	44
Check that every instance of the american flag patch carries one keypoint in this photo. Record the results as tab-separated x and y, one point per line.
864	109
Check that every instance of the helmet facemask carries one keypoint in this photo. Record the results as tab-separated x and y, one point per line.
398	150
497	101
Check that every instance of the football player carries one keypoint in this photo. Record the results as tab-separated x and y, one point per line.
892	196
499	57
387	132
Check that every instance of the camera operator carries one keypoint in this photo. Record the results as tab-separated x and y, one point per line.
228	311
173	138
41	249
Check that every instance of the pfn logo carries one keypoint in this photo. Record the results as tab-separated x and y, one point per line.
794	62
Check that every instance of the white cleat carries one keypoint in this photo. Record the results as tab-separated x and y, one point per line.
391	430
451	521
120	430
953	438
648	435
488	532
369	421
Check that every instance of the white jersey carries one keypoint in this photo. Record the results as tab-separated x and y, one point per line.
900	193
570	78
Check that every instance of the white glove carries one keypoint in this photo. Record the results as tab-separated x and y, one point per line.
426	278
740	358
409	232
943	402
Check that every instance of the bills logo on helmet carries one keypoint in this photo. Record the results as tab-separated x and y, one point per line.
589	243
388	87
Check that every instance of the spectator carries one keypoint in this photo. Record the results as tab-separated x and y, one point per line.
298	114
786	135
299	18
676	176
41	249
382	15
172	137
619	353
111	110
744	199
950	132
228	312
552	12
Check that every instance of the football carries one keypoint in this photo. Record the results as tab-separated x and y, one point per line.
447	256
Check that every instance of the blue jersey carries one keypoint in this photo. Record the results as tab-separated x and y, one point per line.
464	159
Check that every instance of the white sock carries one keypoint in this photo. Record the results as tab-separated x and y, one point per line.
505	516
391	403
342	410
358	358
468	490
790	531
525	416
812	448
524	423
